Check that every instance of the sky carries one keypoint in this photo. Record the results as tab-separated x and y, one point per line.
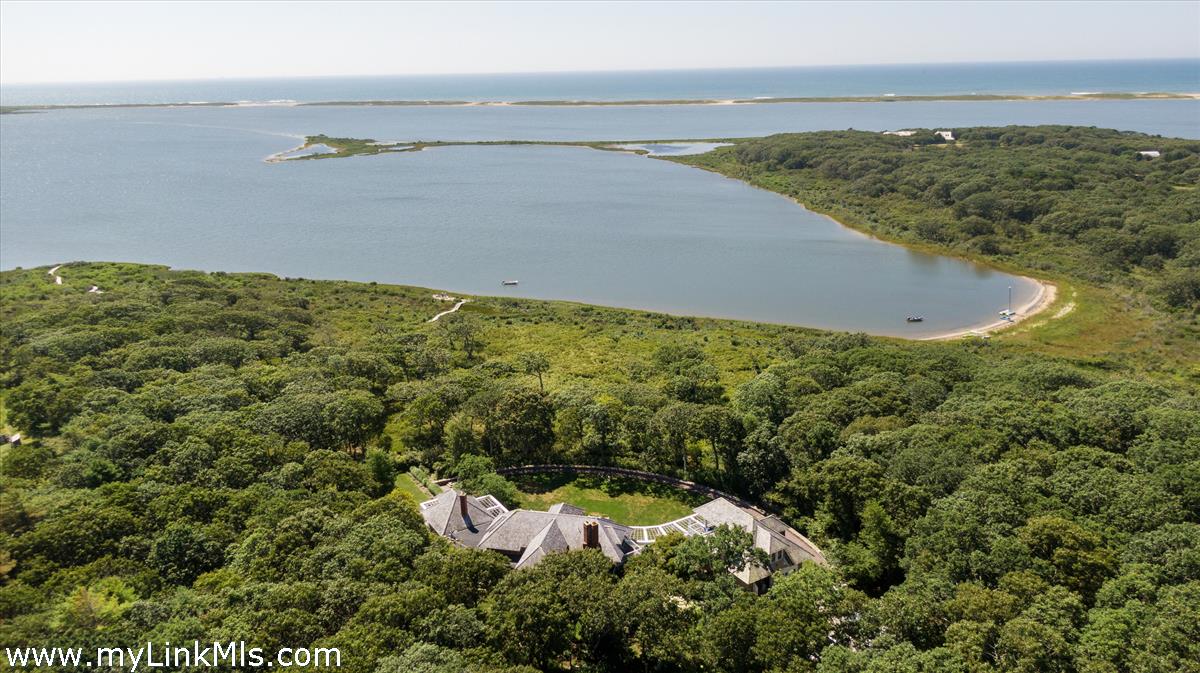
115	41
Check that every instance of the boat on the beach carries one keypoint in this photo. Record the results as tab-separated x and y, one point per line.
915	318
509	282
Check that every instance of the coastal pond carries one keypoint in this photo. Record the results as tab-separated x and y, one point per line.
570	222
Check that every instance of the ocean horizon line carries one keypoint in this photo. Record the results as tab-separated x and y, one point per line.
618	71
1023	78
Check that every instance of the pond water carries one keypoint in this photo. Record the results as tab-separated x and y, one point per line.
189	188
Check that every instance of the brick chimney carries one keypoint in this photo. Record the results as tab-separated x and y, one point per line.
462	504
591	535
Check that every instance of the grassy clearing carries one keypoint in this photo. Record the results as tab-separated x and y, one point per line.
406	484
421	476
627	501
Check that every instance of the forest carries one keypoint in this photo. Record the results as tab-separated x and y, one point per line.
212	455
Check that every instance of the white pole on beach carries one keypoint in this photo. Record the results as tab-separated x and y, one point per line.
1010	299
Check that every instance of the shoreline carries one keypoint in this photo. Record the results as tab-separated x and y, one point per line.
281	154
964	98
1046	296
356	147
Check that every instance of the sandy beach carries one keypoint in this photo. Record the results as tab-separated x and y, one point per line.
1047	293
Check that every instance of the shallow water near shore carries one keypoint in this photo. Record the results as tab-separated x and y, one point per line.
305	151
673	149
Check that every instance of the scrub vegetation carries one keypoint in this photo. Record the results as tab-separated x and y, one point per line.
218	454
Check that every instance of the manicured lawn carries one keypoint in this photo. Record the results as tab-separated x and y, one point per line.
626	501
407	484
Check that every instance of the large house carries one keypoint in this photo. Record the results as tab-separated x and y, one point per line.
526	536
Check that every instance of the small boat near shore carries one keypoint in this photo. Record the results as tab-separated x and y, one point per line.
915	318
510	282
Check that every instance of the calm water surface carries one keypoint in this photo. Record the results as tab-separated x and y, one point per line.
1174	75
188	187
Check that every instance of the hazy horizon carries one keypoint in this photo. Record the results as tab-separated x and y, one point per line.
483	73
72	42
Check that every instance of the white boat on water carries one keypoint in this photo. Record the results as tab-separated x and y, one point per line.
510	282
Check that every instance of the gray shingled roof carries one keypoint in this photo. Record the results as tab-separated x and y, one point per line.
550	539
515	531
721	511
530	535
444	515
799	548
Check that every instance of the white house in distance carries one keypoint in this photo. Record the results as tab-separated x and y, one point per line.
948	136
527	536
1150	153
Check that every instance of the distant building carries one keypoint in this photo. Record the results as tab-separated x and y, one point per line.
903	134
948	136
526	536
1150	153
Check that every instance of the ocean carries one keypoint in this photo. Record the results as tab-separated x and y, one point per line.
1064	77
